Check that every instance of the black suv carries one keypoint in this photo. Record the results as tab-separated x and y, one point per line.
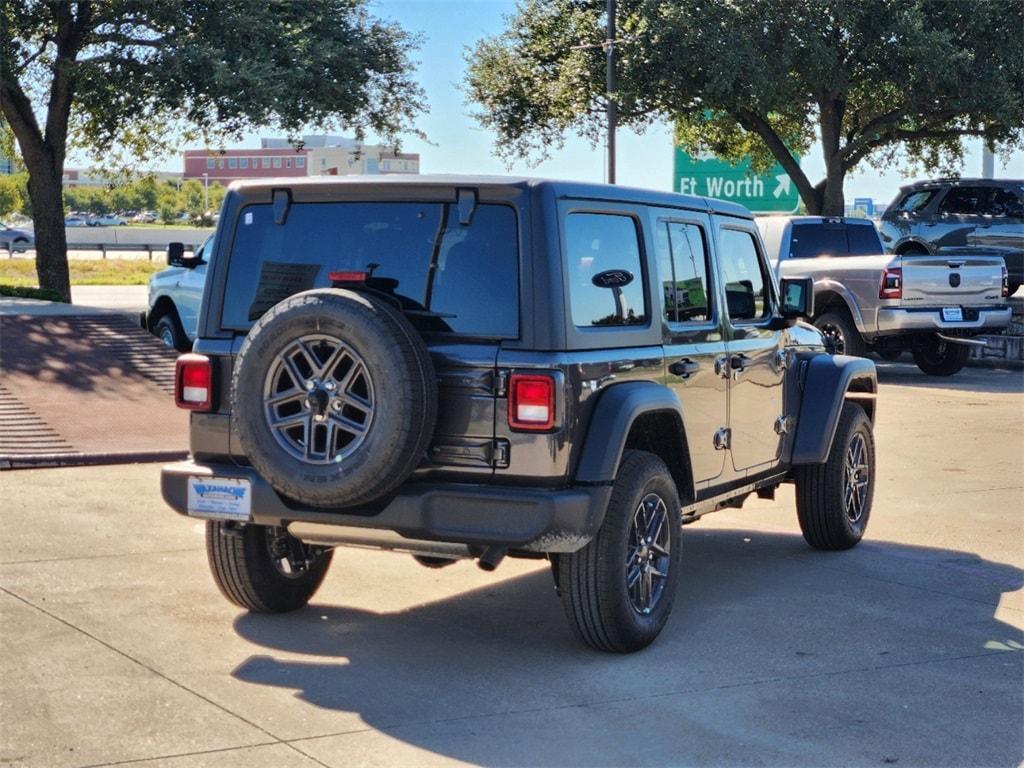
959	217
464	367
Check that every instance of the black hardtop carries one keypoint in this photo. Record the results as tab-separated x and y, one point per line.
856	220
499	185
964	181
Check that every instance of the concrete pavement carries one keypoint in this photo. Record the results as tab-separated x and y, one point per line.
906	650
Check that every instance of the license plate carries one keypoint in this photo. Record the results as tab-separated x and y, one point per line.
220	498
952	314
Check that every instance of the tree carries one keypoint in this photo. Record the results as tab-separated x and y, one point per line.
133	73
764	79
10	195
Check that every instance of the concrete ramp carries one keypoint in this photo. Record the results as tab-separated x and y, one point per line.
83	389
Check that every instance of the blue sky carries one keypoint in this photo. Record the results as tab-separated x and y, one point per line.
460	145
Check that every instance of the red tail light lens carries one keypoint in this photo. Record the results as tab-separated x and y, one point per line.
892	284
348	277
193	383
1006	283
531	403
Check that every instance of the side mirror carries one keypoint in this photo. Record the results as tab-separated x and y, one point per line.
797	297
176	254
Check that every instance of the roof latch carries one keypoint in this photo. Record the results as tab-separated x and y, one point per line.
466	204
282	200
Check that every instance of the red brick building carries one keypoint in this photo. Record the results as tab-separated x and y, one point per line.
224	166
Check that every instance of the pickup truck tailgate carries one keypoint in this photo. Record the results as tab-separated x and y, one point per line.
947	280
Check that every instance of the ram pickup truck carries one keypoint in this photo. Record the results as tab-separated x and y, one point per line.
870	301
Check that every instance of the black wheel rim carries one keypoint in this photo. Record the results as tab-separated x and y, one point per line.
318	399
858	479
292	558
834	337
648	556
932	351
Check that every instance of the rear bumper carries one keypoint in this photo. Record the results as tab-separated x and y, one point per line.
537	519
894	320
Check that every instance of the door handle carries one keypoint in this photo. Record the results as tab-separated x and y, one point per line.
684	368
738	364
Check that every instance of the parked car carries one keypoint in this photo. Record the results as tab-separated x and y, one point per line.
107	220
175	295
959	217
867	300
76	221
14	240
145	217
478	367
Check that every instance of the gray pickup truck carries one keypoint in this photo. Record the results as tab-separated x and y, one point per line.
869	301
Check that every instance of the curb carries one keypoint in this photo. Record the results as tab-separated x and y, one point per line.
43	460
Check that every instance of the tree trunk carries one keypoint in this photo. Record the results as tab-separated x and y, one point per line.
830	190
833	203
46	193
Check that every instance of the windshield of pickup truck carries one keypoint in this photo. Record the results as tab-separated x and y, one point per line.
827	239
449	277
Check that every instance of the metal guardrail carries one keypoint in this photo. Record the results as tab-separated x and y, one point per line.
105	247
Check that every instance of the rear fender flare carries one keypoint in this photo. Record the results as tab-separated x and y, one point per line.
827	381
610	422
828	285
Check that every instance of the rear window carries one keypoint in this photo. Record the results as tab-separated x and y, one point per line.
811	240
448	277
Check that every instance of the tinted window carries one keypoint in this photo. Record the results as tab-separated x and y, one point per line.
605	278
683	272
915	201
827	239
745	282
449	278
1002	202
964	201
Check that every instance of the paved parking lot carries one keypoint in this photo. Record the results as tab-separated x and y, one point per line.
907	650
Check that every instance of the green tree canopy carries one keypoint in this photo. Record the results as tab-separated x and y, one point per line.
764	79
132	73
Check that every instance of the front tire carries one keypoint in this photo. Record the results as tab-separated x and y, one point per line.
940	358
833	500
841	334
168	329
618	590
263	569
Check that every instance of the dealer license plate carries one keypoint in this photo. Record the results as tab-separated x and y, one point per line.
220	498
952	314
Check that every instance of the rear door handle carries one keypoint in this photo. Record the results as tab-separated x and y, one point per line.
684	368
737	364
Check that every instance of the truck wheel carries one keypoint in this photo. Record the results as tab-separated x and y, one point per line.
841	334
618	590
891	355
833	500
168	329
939	358
334	398
263	569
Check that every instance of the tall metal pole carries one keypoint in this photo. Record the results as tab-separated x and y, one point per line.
613	113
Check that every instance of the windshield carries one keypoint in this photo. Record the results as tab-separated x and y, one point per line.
448	277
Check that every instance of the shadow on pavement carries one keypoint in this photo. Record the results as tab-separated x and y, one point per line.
971	379
789	636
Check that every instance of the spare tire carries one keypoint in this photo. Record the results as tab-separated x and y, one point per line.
334	397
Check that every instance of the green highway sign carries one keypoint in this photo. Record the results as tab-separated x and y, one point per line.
771	192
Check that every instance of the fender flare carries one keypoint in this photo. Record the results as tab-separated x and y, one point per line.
610	421
828	285
827	381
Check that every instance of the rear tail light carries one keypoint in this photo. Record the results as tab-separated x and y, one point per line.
892	284
1006	283
531	402
347	277
193	383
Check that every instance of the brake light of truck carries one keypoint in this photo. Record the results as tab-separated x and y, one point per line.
531	402
193	382
892	284
1006	283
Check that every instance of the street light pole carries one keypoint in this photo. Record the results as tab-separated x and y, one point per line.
206	193
610	89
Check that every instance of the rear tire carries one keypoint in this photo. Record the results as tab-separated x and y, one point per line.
940	358
833	500
605	610
263	569
841	333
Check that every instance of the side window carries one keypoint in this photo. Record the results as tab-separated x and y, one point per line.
683	272
915	201
964	201
746	290
1002	202
606	283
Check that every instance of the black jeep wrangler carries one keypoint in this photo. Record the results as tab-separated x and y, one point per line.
464	367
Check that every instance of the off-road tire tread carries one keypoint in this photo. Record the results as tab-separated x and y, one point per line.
247	578
584	577
823	524
950	364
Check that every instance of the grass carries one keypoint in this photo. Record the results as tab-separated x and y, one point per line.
22	272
